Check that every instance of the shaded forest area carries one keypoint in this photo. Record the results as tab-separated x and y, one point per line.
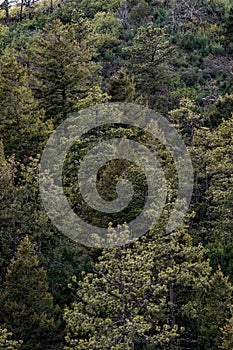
163	291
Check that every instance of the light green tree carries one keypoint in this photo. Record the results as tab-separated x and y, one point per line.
105	30
227	335
186	119
6	343
134	299
22	125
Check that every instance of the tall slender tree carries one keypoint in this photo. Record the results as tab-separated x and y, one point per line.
149	56
22	125
227	335
8	240
215	310
213	161
27	307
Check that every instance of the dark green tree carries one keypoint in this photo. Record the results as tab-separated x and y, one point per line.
229	28
186	119
121	87
21	213
212	153
22	125
216	305
4	37
140	12
27	307
219	111
7	195
149	56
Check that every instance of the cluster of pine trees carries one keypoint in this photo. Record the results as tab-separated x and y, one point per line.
163	291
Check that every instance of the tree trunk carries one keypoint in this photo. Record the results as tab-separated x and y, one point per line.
7	11
21	10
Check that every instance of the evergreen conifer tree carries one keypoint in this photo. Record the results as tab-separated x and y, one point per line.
213	161
63	69
136	297
149	56
215	309
22	126
7	195
121	87
27	308
227	335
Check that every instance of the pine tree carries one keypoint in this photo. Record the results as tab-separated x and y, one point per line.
186	119
4	36
213	155
219	111
121	87
149	56
63	69
227	335
22	212
229	28
6	173
105	33
114	308
215	309
140	12
135	298
150	49
27	307
7	195
22	127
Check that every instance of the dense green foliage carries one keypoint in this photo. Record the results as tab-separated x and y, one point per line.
162	292
26	304
6	343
